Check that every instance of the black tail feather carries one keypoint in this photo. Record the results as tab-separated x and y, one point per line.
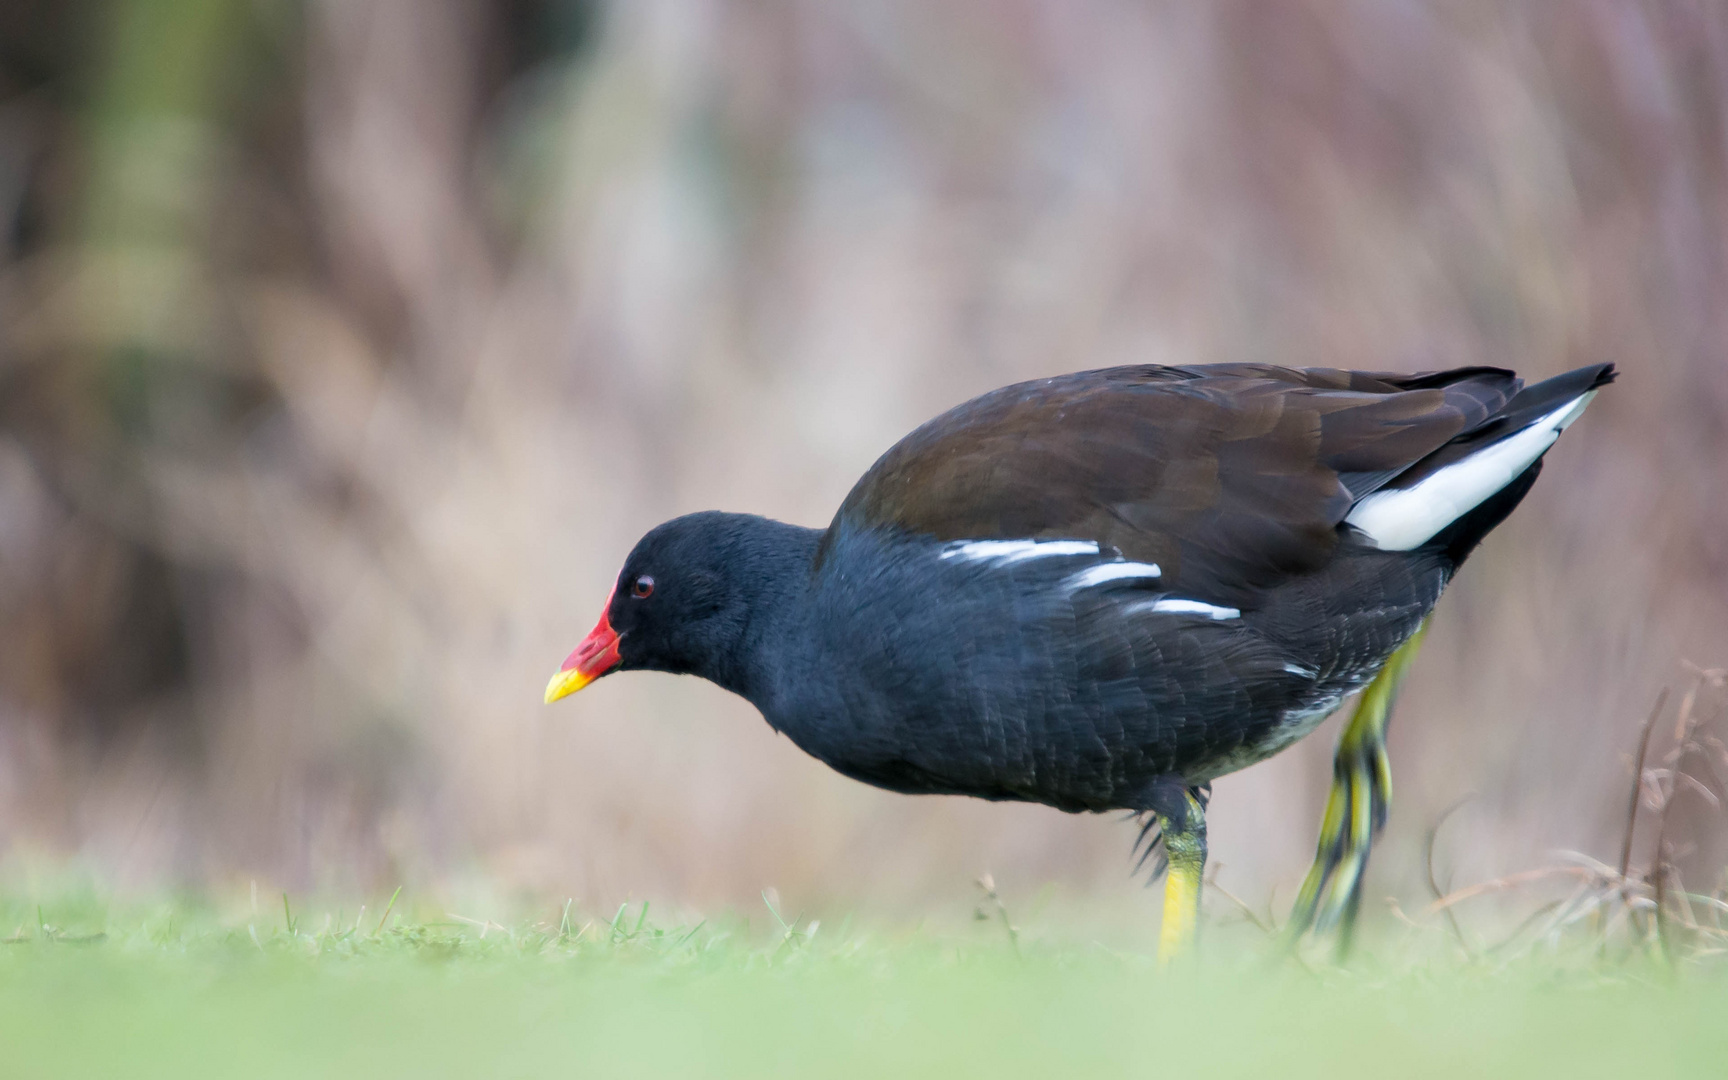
1539	399
1526	407
1458	539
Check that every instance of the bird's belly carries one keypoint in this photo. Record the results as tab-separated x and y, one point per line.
1292	723
1082	749
1291	726
1074	751
1029	694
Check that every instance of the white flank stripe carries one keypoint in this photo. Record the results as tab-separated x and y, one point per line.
1187	607
1402	519
1012	551
1112	571
1304	672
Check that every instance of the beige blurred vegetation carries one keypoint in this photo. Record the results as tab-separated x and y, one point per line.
347	346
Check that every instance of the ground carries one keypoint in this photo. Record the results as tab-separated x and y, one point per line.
175	990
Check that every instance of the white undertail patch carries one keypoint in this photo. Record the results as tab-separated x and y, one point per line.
1404	518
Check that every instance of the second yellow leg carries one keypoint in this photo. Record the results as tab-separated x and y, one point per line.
1356	807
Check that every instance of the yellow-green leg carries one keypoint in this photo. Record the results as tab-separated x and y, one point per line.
1355	809
1184	830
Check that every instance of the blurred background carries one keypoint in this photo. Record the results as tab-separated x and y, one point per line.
346	347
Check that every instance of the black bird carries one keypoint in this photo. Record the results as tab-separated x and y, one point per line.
1103	590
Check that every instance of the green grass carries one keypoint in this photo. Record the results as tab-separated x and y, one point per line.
179	991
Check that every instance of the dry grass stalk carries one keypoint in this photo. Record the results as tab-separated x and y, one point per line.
1643	911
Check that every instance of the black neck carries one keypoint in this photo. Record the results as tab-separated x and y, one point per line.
772	562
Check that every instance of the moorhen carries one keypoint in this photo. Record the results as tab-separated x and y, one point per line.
1103	590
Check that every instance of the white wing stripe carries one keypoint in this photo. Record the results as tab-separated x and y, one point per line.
1002	552
1112	571
1187	607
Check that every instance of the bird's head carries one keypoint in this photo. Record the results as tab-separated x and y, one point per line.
682	602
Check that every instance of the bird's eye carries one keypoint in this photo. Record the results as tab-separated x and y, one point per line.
643	587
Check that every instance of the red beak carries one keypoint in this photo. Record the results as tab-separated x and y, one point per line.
597	655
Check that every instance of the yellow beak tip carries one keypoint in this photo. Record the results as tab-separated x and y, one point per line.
564	684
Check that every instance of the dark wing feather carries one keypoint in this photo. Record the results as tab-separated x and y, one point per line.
1230	477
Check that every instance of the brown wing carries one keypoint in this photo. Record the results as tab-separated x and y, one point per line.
1229	477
